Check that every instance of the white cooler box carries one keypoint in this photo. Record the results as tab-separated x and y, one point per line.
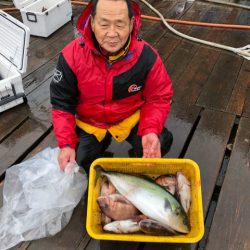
43	17
14	43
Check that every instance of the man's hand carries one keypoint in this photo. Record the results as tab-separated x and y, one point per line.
151	146
66	155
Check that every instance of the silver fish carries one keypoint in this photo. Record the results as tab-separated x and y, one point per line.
168	182
151	199
153	227
183	191
122	226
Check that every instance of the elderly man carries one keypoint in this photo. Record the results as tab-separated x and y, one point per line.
110	83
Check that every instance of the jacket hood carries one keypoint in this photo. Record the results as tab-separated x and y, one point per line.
84	26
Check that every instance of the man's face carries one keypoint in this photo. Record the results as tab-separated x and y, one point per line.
111	24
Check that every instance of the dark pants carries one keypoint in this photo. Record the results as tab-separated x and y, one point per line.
89	148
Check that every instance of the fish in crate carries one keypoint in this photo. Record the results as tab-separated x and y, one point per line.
134	203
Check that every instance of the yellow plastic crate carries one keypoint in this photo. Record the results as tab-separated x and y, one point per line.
153	168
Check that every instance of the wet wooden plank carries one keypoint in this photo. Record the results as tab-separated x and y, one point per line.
223	84
180	122
189	86
39	76
145	10
239	96
39	103
230	228
196	62
19	142
10	120
208	146
236	37
165	246
51	46
32	130
1	194
85	241
48	141
156	30
218	89
108	245
183	54
169	41
246	109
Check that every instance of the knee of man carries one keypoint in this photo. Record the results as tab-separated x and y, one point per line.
85	158
166	139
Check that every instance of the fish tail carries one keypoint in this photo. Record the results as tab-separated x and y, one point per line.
99	171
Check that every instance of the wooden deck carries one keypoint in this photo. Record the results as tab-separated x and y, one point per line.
210	120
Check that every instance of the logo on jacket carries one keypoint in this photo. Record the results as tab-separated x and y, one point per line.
57	76
134	88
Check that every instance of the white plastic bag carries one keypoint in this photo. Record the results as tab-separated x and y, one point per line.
38	198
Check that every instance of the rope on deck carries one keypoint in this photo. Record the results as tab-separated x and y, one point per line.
229	4
243	51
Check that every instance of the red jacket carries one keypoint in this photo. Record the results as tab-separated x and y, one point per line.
86	86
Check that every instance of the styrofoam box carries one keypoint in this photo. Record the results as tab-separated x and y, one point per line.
44	17
14	43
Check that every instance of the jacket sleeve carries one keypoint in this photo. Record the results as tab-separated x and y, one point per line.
64	97
157	94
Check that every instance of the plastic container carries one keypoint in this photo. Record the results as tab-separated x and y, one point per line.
44	17
14	43
153	168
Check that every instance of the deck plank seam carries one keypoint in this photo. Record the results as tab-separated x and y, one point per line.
219	182
190	135
84	242
39	85
245	114
14	129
